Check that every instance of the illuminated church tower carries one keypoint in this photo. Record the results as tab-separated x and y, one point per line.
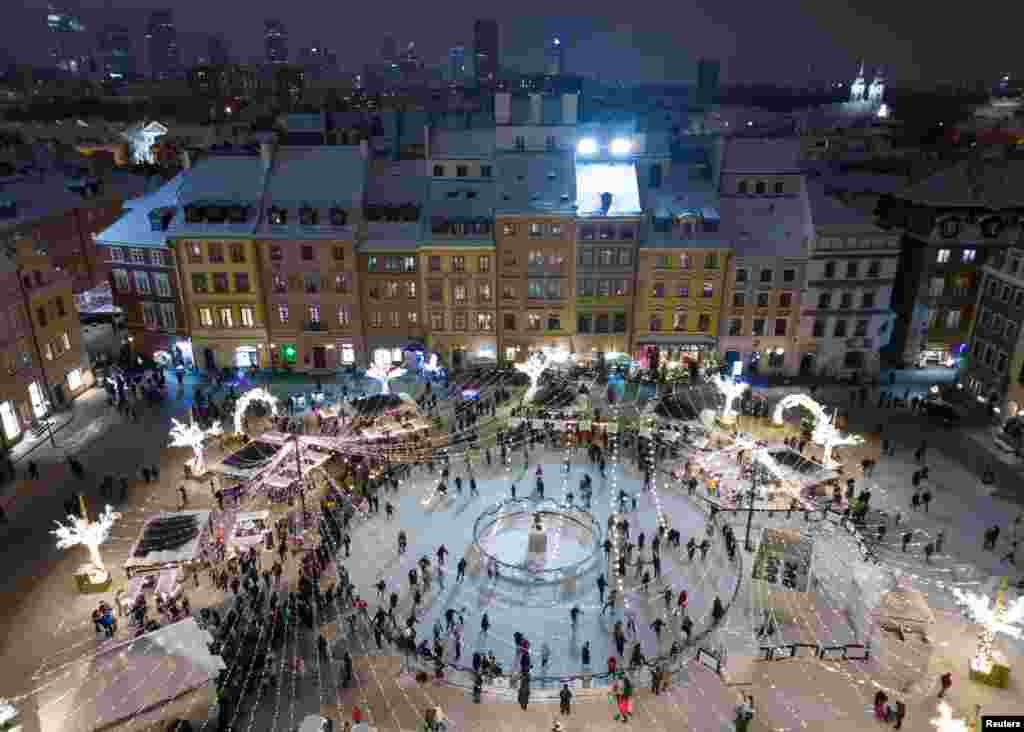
858	88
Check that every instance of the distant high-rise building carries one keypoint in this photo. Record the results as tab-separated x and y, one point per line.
554	57
708	71
67	39
275	42
457	64
162	45
317	61
218	51
115	58
485	50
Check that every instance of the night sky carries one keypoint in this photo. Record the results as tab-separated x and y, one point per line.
641	40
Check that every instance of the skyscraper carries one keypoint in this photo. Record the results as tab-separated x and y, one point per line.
116	59
457	64
67	33
275	42
554	57
485	50
162	45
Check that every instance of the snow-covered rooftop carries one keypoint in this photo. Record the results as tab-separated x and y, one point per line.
134	227
778	226
827	210
619	179
400	183
55	191
539	182
995	184
221	180
761	155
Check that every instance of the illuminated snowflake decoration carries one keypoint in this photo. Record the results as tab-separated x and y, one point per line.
261	396
731	390
194	436
384	374
89	534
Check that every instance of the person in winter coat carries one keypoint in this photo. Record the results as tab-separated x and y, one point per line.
565	700
946	682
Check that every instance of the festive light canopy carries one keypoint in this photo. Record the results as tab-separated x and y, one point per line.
194	436
90	534
261	396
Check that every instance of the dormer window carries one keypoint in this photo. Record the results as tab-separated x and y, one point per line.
216	214
308	215
338	216
950	228
278	216
991	228
193	215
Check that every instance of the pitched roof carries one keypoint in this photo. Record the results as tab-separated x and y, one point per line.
56	191
993	184
221	179
134	227
827	210
539	182
762	155
463	143
778	226
396	184
595	179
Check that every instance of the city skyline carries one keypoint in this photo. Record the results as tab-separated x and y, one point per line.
600	44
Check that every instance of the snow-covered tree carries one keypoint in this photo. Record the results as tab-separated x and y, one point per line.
88	533
194	436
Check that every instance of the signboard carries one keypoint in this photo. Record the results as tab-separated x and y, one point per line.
832	653
709	660
784	559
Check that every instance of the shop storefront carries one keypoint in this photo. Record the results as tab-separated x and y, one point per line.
37	397
675	354
9	422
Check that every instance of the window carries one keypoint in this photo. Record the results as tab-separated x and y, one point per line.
585	288
554	290
852	269
874	268
536	230
627	233
867	300
684	289
839	329
741	275
459	321
341	283
766	275
759	188
459	294
846	301
215	249
509	321
307	253
618	324
237	252
391	289
684	261
412	317
830	270
554	321
741	187
241	282
485	321
338	252
206	317
458	264
739	299
162	283
711	260
606	257
486	171
169	316
376	320
434	263
439	171
435	292
662	261
137	256
344	315
679	321
776	358
968	255
220	281
556	231
818	330
198	282
314	314
141	282
226	318
735	326
484	292
779	188
408	264
584	321
508	292
953	319
534	321
625	257
758	327
484	263
860	329
508	229
65	341
48	351
586	256
116	254
703	323
655	323
707	290
936	285
394	318
461	171
780	326
311	283
604	288
371	264
437	321
276	252
786	300
762	299
943	256
246	318
156	258
658	289
824	301
282	314
410	289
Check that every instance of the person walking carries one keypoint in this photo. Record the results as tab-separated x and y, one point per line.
524	692
565	700
461	570
602	583
926	499
900	714
946	683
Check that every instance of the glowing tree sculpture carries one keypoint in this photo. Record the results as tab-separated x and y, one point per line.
731	390
192	435
253	395
826	435
88	533
534	366
384	374
997	617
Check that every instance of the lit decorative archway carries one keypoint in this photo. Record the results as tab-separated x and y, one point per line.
261	396
825	432
799	400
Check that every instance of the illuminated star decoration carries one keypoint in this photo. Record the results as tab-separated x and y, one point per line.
384	374
534	366
253	395
731	390
192	435
90	534
993	618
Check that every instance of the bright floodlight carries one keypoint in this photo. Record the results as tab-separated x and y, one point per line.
622	146
587	146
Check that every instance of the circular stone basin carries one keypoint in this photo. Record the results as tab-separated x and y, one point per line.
565	543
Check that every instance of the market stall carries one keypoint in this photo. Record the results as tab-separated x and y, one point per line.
168	540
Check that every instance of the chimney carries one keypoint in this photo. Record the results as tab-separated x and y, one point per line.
570	109
267	155
536	113
502	108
